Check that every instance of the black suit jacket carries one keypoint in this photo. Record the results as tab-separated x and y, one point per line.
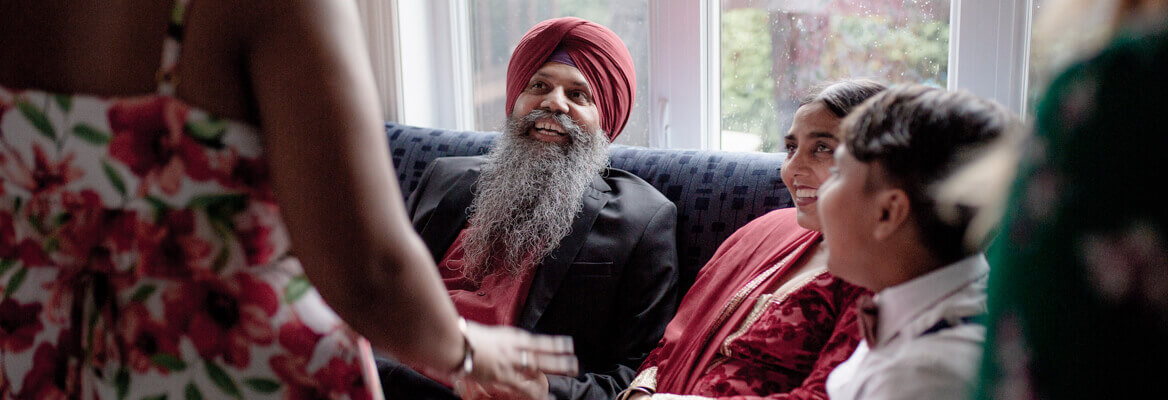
610	285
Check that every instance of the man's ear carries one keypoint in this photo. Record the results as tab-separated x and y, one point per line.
894	209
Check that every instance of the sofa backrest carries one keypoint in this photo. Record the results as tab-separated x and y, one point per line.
716	192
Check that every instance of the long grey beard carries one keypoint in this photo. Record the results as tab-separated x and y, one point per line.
528	194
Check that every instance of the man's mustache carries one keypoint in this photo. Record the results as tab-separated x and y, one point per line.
570	126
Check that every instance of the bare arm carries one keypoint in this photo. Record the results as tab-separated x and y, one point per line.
333	180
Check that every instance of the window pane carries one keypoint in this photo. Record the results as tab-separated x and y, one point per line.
1062	33
775	51
497	25
1038	74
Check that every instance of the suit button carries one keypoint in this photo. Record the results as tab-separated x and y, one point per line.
482	293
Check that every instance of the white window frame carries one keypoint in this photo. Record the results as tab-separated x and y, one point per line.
989	48
436	83
989	45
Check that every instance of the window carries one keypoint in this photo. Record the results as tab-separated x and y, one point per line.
715	74
1053	47
497	25
776	52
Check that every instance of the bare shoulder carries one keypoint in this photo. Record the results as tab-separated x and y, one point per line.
292	14
304	31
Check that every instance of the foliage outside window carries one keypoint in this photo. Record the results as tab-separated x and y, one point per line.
774	52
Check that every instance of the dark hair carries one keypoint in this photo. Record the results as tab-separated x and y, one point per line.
920	136
842	96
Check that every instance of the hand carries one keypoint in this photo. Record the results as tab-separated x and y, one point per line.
640	396
511	362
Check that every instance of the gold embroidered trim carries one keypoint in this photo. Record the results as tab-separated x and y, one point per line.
646	379
632	391
755	313
645	382
741	294
667	396
778	297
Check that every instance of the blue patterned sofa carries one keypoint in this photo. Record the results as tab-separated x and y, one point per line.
716	192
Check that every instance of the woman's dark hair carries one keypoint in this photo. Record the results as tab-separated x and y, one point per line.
920	136
842	96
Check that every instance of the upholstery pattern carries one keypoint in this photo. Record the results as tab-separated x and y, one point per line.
715	192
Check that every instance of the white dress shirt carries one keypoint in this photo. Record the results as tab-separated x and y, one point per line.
926	346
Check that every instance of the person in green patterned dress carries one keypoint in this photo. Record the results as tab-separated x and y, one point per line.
1079	287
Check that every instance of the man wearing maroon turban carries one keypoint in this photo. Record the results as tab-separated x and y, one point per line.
541	233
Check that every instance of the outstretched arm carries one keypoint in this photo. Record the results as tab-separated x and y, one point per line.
332	177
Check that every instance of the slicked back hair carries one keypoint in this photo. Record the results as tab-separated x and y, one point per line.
841	97
919	136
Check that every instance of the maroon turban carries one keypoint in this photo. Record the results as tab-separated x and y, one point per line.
595	50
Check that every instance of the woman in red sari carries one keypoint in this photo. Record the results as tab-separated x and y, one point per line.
765	319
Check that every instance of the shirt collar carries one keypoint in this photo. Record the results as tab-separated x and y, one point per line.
903	303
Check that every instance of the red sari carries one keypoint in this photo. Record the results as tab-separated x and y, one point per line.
786	351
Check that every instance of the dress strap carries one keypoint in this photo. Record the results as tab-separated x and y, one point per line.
172	47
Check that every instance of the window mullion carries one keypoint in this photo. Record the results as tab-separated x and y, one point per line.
989	47
679	66
461	59
712	75
434	66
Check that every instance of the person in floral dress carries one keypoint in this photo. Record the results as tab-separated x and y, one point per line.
143	247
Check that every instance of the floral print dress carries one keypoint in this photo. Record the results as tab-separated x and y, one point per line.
142	256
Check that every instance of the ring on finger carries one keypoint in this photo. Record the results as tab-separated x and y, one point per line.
524	360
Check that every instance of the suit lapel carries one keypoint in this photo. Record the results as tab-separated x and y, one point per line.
449	215
554	267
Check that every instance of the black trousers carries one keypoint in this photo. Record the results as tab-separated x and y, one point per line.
401	382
